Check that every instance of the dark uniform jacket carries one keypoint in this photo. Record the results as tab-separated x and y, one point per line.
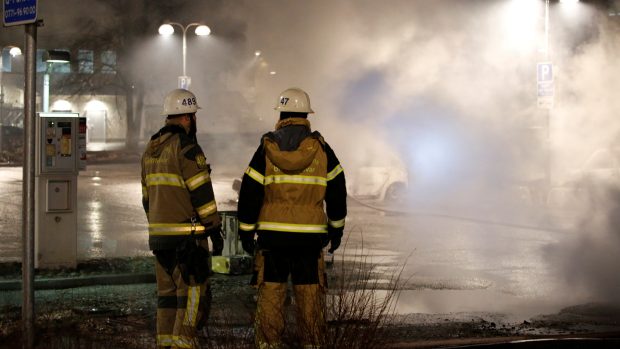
176	189
294	190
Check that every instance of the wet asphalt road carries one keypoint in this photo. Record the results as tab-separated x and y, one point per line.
111	221
450	265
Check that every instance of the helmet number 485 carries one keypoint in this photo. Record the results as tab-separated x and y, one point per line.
189	101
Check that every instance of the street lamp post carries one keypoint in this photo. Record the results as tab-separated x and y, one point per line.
51	57
167	29
546	30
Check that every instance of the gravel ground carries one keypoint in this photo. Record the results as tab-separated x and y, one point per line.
123	316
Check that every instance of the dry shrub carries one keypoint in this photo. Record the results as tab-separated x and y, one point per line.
226	330
361	303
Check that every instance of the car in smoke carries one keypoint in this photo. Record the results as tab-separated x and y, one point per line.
380	183
598	177
602	167
599	173
387	183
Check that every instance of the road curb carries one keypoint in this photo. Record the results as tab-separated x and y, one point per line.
63	283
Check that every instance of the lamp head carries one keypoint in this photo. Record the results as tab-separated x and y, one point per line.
57	56
166	29
202	30
15	51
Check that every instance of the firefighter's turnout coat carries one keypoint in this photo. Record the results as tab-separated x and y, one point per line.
293	180
293	189
176	187
178	199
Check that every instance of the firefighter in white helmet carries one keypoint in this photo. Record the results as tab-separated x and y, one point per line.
293	197
180	206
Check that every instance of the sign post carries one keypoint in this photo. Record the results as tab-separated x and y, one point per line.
18	12
544	80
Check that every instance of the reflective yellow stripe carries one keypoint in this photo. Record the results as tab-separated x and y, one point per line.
290	227
165	179
335	172
164	340
207	209
255	175
182	342
246	226
295	179
197	180
336	224
191	312
145	192
173	229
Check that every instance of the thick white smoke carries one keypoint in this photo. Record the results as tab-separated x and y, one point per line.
446	89
450	88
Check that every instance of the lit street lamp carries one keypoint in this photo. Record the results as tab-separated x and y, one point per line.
14	51
167	29
51	57
546	47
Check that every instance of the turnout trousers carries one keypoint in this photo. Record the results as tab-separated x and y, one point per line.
182	308
271	273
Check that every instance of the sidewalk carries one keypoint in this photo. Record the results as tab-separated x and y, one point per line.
11	271
106	315
111	152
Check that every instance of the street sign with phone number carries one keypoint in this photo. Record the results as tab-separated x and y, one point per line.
18	12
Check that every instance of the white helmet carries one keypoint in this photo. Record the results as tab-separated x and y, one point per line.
180	101
294	100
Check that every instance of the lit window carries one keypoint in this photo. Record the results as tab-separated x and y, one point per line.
41	64
6	60
108	62
85	61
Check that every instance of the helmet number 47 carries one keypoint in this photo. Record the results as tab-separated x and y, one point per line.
188	101
284	100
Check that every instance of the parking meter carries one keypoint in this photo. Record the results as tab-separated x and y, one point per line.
56	169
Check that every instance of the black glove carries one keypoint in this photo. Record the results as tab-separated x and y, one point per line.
325	240
183	252
247	241
193	259
217	241
200	266
335	236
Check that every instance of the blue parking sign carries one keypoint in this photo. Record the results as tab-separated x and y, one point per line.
544	72
18	12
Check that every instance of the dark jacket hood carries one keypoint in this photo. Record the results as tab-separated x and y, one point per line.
292	146
160	139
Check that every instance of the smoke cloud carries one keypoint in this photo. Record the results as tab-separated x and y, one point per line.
449	90
445	90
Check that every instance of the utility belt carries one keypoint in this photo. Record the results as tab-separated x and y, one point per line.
176	229
191	256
